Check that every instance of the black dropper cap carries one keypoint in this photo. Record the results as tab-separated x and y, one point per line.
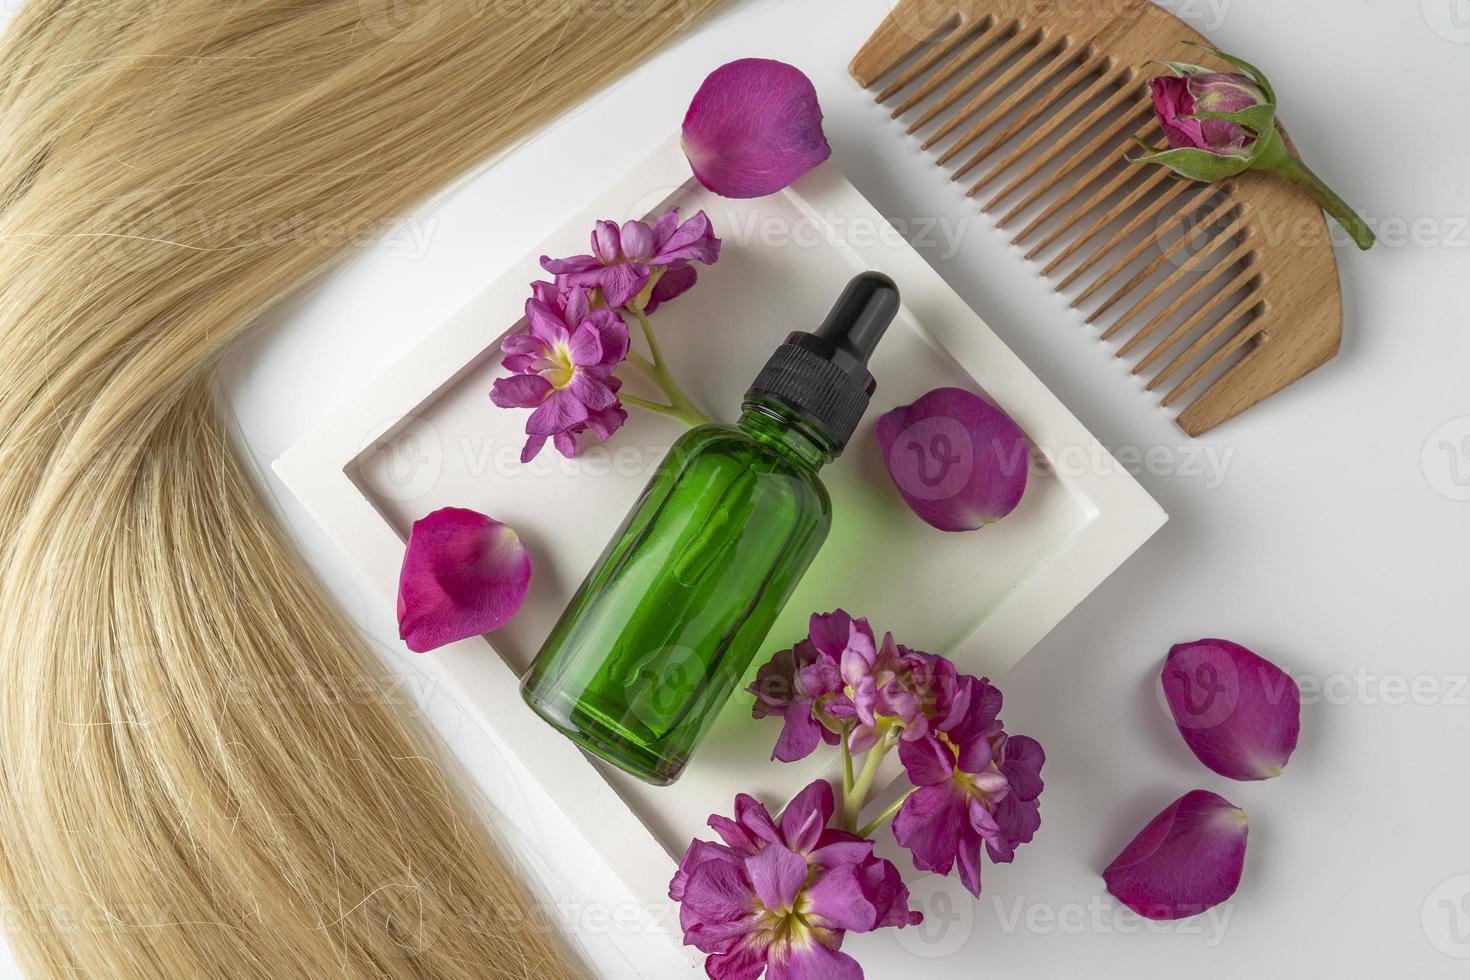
823	376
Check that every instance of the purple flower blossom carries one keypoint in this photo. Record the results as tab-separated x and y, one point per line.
779	899
780	691
840	678
626	260
807	685
910	689
562	367
974	785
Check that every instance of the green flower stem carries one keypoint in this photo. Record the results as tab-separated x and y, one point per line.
647	405
1277	158
846	764
872	826
854	800
682	407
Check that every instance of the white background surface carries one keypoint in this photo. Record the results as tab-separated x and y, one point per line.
1325	529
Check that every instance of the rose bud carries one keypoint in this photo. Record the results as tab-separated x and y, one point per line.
1177	99
1220	124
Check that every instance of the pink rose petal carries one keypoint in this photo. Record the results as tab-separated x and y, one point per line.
958	461
463	574
1188	859
1239	713
753	127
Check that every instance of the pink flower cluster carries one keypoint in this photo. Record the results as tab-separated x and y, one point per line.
973	783
779	897
562	366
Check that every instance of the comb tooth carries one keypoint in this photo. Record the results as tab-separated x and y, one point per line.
1048	156
1075	105
1189	209
1167	283
1102	223
996	85
1098	199
1163	256
1183	300
1148	214
1203	340
1238	340
1018	97
942	50
980	50
1035	138
1098	171
1079	158
990	90
1245	275
1100	166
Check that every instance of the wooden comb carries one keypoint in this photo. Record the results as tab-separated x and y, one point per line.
1227	289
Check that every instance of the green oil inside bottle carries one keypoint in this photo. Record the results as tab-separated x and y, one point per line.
667	622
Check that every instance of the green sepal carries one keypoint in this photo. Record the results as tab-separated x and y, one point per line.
1257	119
1256	75
1259	124
1184	69
1196	164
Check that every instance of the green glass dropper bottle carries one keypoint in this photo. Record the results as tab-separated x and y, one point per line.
668	620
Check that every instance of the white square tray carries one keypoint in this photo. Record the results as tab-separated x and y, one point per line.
424	436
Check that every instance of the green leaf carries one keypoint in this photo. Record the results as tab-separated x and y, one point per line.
1195	164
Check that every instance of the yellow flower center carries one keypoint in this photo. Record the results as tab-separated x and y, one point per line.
560	372
962	779
790	928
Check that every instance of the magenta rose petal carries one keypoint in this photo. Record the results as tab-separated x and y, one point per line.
463	574
1188	859
1172	101
1238	712
958	461
753	127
